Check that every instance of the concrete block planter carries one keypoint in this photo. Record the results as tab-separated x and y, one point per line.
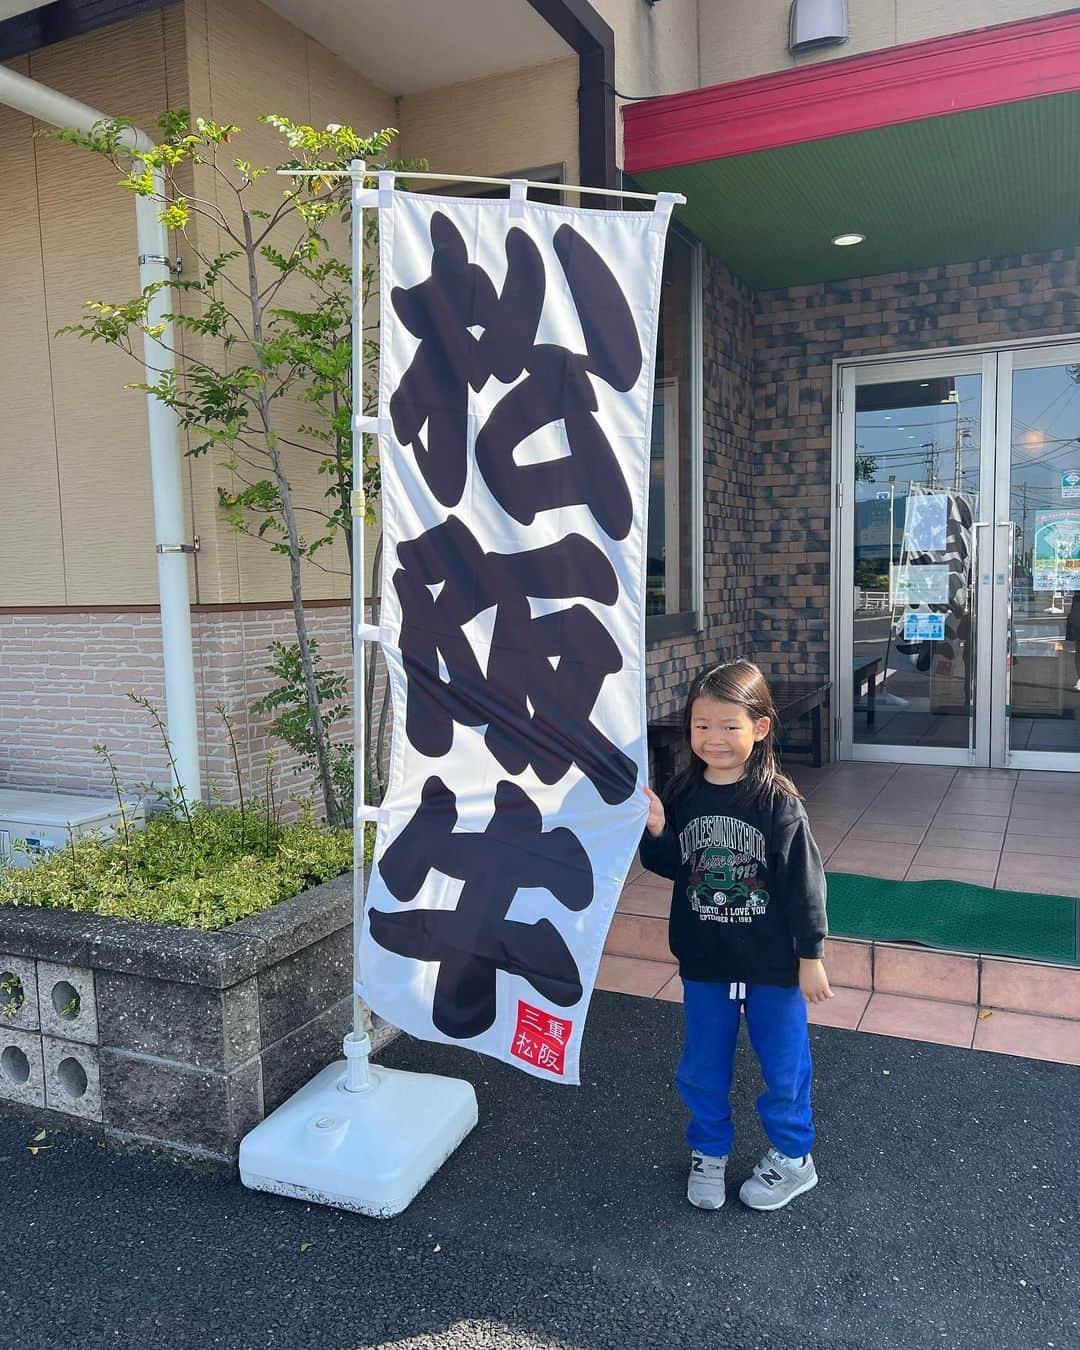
66	1005
172	1039
22	1071
18	994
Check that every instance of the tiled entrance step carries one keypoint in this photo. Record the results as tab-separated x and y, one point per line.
1013	829
982	1002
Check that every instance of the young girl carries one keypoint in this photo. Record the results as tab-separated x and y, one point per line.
747	926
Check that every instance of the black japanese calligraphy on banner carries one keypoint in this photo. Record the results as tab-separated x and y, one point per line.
543	674
433	392
475	939
517	357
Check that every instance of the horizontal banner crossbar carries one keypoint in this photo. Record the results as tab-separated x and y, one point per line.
360	174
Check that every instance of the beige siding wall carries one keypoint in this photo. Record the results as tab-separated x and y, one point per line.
31	543
76	517
76	524
498	125
733	48
244	61
656	47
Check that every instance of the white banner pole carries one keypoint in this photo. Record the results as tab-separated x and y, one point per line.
357	1045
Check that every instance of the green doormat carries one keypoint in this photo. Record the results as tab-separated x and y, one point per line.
955	915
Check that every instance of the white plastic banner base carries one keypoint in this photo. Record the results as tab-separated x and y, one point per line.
371	1151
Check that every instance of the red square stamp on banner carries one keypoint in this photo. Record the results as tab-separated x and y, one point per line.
541	1039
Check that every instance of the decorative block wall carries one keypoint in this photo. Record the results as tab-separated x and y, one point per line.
48	1036
169	1039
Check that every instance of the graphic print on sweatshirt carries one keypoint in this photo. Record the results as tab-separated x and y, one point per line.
726	859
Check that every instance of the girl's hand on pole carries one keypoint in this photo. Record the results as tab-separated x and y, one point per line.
813	981
657	818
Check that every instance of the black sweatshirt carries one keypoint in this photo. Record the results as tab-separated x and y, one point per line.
749	893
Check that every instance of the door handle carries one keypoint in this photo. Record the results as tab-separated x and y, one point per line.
978	525
1006	525
975	611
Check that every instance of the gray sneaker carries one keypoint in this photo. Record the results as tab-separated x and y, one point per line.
776	1180
706	1188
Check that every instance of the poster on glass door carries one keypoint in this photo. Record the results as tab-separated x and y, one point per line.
920	584
1055	558
924	627
926	521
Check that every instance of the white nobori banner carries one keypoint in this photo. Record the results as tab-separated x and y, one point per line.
515	406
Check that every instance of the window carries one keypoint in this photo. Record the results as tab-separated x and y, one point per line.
546	173
672	593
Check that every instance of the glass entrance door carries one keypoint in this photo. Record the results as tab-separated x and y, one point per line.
959	533
917	441
1036	697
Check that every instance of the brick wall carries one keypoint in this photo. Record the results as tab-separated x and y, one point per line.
797	335
231	654
727	322
768	436
65	679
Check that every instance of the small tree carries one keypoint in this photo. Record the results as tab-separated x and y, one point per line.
270	321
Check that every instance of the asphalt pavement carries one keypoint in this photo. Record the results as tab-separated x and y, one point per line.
947	1215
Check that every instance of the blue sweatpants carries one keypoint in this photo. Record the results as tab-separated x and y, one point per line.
776	1021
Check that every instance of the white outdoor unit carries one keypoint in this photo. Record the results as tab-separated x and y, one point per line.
44	822
817	23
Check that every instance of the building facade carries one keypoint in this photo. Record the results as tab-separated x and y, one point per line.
862	456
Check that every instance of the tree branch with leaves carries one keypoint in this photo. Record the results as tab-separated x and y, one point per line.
269	326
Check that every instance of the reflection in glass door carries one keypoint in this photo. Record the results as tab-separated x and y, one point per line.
1037	525
913	528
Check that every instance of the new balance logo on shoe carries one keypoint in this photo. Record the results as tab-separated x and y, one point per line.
705	1185
776	1180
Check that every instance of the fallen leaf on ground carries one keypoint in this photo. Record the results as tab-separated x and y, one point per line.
306	1246
984	1013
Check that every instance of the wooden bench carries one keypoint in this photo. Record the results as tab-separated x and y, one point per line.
793	699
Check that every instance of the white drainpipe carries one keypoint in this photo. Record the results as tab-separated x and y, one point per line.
170	526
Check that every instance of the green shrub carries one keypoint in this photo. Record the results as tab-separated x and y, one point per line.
222	865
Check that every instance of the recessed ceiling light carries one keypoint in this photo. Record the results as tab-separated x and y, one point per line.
846	240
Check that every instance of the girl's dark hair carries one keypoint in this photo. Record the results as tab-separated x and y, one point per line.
741	683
